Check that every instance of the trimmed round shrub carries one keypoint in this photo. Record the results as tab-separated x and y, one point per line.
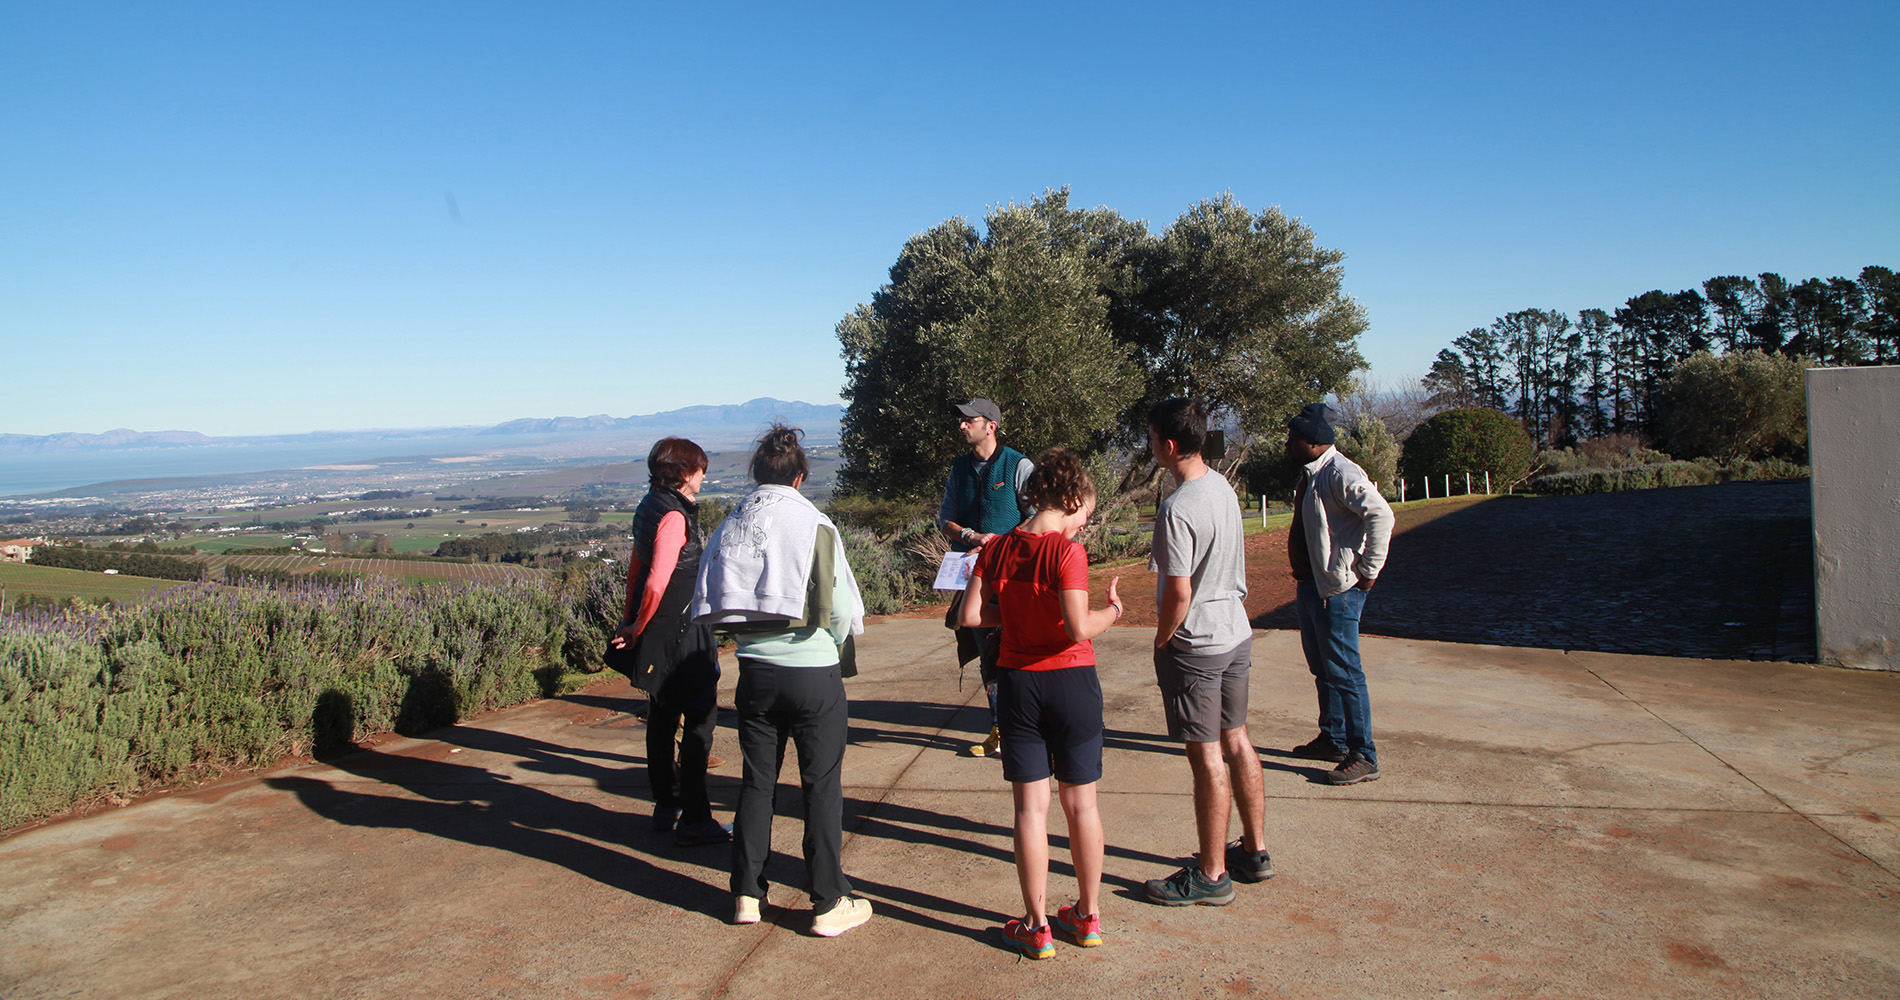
1471	439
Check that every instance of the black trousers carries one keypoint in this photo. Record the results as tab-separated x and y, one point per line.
805	705
688	700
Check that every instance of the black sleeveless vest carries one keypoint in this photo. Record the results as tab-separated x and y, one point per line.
678	594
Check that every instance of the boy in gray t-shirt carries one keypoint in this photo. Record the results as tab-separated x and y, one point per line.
1198	534
1203	652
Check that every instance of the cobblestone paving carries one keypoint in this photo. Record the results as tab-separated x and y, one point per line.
1719	572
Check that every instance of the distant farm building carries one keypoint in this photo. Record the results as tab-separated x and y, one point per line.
16	550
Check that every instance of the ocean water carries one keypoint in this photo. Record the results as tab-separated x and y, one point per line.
25	474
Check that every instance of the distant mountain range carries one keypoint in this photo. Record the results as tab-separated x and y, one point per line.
724	423
818	419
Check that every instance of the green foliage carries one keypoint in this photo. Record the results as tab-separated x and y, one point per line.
1471	439
132	563
890	575
1243	312
1616	451
1009	316
1635	477
1268	471
1747	404
883	518
1752	471
1119	536
1075	322
712	513
512	547
260	577
103	703
1370	446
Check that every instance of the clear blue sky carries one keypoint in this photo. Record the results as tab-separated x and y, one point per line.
263	218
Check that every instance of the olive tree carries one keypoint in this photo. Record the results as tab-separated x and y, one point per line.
1746	404
1244	312
1017	314
1076	322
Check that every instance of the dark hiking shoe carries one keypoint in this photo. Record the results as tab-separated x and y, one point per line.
1188	887
1320	748
1353	772
702	833
665	818
1248	866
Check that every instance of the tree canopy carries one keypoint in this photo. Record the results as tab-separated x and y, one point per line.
1076	321
1607	373
1746	404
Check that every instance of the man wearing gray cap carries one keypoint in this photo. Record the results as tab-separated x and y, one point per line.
1336	546
983	498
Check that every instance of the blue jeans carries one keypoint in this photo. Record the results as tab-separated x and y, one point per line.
1329	632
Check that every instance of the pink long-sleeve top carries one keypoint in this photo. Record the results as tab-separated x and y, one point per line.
668	539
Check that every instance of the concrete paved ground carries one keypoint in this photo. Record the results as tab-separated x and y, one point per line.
1549	825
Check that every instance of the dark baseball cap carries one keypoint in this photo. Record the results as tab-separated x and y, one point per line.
981	408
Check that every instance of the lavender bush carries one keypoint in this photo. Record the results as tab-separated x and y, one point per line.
103	702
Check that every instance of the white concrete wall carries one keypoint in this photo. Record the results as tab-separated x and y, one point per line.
1854	449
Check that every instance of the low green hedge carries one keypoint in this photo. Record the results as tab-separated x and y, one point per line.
131	563
101	703
1761	470
1635	477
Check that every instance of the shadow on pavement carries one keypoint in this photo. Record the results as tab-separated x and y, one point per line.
1718	572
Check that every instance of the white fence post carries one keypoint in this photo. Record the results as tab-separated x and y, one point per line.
1487	482
1448	484
1467	484
1401	489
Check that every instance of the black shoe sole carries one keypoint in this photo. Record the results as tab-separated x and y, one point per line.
1374	776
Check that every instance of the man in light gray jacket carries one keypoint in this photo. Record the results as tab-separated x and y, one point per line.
1336	547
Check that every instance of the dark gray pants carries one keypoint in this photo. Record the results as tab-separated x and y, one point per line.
805	705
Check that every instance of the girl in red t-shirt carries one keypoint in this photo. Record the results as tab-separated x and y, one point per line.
1034	584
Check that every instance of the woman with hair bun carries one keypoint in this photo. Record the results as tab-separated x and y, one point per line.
1034	583
674	661
775	577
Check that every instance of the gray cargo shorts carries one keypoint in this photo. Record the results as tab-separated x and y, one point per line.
1203	693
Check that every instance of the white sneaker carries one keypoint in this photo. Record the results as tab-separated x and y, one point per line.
745	910
850	912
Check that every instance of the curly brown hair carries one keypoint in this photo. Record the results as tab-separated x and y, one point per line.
1059	482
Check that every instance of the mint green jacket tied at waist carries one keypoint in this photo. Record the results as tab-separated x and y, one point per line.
774	576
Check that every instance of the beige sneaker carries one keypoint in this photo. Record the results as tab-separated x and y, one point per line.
850	912
745	910
990	747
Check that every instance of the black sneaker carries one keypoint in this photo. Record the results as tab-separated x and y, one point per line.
1320	748
1353	771
1188	887
1248	866
665	818
703	833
